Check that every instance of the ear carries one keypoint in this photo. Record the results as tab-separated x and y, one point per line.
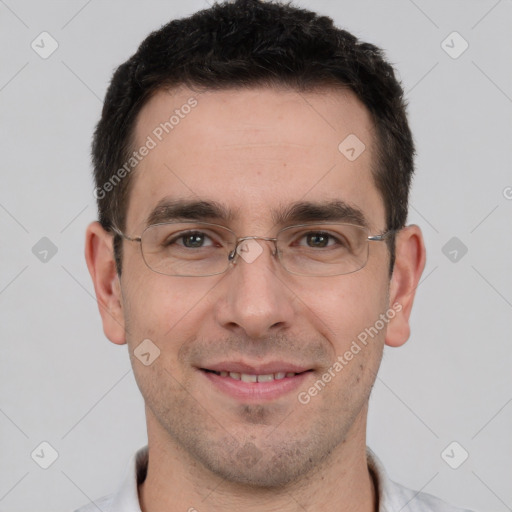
99	254
409	265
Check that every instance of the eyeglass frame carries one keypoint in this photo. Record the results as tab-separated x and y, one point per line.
385	236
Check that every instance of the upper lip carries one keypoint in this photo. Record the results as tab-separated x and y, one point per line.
256	369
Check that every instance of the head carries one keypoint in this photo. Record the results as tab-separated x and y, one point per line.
242	110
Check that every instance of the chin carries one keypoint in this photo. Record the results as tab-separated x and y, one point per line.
275	466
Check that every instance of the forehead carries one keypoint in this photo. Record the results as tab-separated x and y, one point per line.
254	151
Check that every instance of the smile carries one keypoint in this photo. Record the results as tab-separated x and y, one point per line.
251	385
248	377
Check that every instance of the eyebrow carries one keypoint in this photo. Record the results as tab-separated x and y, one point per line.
302	211
307	211
182	209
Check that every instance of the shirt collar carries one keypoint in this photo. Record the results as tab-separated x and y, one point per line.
126	498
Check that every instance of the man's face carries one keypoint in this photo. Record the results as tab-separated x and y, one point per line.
255	152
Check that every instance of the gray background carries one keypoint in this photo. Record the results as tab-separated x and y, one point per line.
62	382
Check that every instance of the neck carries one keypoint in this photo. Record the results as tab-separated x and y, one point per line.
175	481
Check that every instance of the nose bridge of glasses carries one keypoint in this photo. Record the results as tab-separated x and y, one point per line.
242	244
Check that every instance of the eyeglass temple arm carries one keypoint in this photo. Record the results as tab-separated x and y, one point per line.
117	231
383	236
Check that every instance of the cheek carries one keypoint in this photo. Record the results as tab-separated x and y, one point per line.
344	306
162	308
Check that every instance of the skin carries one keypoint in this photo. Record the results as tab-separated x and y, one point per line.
255	150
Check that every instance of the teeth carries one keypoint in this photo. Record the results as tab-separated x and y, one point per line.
247	377
266	378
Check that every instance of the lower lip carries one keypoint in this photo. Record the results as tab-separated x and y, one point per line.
256	391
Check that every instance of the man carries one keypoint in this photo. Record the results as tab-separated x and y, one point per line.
252	168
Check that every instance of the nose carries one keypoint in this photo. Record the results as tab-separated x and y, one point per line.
253	299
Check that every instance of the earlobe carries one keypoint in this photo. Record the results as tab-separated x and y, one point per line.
101	264
409	265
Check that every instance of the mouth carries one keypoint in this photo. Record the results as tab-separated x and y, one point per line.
251	377
256	384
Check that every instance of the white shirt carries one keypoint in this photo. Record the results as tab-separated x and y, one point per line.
393	497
